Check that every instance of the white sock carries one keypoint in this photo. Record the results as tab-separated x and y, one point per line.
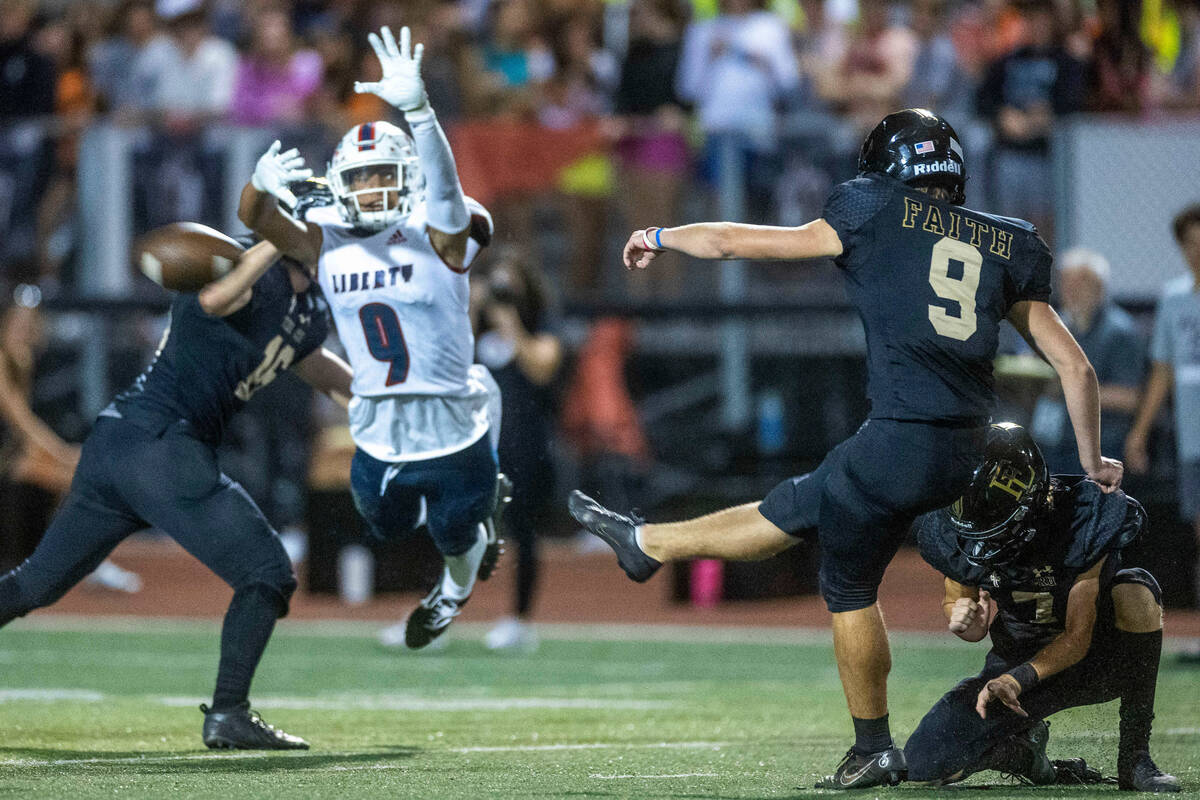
458	579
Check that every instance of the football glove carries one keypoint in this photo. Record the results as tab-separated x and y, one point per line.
401	85
275	170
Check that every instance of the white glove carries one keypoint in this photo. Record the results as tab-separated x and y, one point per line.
275	170
401	85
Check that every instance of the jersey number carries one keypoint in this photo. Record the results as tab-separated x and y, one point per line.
277	357
1043	610
960	290
385	340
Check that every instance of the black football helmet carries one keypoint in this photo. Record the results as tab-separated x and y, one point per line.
996	517
919	148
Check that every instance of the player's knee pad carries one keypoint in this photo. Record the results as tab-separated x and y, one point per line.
844	593
1140	577
274	584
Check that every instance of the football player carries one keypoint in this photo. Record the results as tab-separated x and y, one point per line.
931	280
1035	562
392	258
151	460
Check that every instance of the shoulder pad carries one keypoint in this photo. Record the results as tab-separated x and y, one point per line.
1100	523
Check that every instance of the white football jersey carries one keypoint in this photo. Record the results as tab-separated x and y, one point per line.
402	316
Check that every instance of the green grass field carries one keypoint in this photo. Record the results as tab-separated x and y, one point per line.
97	709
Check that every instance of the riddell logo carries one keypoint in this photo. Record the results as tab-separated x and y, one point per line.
933	167
397	237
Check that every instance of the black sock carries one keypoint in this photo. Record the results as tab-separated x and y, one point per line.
1140	653
871	735
247	629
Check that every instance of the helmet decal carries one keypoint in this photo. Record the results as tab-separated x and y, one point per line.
917	147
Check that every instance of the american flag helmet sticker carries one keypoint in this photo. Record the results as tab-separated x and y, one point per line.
923	147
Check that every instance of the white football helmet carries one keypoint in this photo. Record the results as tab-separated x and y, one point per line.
375	175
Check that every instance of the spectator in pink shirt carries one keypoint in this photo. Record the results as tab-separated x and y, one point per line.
275	79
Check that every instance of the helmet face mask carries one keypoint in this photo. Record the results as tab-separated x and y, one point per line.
919	148
375	176
996	517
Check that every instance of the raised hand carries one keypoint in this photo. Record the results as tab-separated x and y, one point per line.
275	170
401	85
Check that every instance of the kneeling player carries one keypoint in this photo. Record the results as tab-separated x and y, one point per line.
1035	562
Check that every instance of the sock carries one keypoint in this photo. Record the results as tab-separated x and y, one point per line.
871	735
458	579
1140	653
244	636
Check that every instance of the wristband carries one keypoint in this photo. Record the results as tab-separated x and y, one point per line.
647	243
1025	676
658	238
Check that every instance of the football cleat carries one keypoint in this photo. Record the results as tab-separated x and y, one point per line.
1139	773
430	618
618	531
857	771
494	531
239	728
1040	771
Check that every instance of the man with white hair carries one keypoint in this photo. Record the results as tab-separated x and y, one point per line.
1110	339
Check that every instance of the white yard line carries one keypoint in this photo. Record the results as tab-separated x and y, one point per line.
412	703
533	748
639	777
549	631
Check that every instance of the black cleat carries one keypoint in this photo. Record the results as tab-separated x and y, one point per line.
1038	768
1139	773
885	768
618	531
239	728
495	533
430	618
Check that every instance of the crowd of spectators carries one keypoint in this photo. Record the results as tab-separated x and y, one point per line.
674	92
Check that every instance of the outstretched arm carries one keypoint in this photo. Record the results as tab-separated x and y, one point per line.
232	290
726	240
1046	333
402	87
327	373
259	209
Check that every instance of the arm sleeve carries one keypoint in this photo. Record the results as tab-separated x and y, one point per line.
445	203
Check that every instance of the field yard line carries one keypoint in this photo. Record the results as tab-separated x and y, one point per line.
299	757
411	703
464	631
1181	731
51	695
675	775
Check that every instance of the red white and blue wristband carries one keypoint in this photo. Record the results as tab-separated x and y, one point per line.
657	245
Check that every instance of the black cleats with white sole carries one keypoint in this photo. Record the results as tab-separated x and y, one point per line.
494	530
618	531
430	618
1138	773
857	771
239	728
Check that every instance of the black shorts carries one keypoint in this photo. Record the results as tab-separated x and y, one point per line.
862	499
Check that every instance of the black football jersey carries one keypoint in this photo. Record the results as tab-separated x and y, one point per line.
206	367
1083	526
931	281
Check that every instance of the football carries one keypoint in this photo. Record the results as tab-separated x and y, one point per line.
184	256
